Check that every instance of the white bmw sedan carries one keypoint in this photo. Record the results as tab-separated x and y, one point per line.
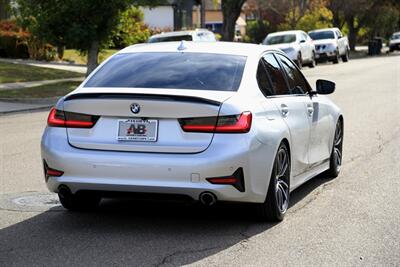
204	122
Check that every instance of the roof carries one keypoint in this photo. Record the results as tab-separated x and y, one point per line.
325	29
285	32
231	48
178	33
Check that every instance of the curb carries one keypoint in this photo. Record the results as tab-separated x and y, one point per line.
2	113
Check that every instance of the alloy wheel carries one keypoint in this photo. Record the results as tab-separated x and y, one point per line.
337	146
281	176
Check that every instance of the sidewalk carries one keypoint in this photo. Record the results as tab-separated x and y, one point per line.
22	85
52	65
9	107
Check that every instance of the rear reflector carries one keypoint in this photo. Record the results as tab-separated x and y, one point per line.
222	124
59	118
50	172
236	180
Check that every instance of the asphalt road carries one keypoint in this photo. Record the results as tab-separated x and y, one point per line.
348	221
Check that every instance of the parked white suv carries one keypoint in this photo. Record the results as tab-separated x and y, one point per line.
394	43
296	44
199	35
330	44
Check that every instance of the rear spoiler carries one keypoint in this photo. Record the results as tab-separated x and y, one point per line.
178	98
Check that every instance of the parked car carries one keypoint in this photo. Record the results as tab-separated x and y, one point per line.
394	42
199	35
193	121
330	44
296	44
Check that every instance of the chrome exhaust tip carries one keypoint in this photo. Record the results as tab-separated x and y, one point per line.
207	198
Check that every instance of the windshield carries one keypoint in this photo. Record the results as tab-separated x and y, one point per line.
395	36
172	70
171	38
280	39
322	35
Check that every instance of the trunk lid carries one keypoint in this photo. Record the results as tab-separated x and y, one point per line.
164	107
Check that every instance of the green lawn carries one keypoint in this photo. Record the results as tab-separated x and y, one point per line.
11	73
75	56
49	90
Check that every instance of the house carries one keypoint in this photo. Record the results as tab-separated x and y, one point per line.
186	14
174	15
214	18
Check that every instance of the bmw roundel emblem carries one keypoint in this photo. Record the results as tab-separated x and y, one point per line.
135	108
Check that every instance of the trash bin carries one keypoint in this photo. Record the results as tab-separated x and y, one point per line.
375	46
372	44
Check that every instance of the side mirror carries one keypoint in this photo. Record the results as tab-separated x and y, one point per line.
302	41
325	87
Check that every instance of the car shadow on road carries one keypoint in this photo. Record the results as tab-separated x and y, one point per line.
127	232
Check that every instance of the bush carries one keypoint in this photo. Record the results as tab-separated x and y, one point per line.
130	29
13	40
257	30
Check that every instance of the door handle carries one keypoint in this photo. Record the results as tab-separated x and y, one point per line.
284	110
310	110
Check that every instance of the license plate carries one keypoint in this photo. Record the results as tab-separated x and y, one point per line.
137	130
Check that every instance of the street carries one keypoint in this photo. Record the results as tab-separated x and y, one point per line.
351	220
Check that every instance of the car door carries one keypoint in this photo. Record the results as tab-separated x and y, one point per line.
341	43
322	125
318	115
303	47
291	103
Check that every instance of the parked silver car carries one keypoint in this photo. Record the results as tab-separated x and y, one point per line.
297	45
199	121
330	44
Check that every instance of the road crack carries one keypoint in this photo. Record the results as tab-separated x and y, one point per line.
168	259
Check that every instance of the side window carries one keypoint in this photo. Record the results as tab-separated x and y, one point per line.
275	73
297	83
263	81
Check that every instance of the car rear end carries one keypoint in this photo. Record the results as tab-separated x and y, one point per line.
155	122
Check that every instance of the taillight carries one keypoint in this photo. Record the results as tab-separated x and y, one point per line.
59	118
222	124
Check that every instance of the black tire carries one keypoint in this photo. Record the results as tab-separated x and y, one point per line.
336	58
81	201
313	62
335	162
345	57
277	200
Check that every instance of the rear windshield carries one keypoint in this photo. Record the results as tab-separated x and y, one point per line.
171	38
172	70
322	35
280	39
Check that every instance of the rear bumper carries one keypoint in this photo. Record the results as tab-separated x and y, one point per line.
183	174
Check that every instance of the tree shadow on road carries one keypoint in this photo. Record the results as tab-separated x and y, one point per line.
135	233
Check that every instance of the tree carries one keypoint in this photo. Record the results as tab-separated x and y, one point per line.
85	25
130	28
4	9
231	11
